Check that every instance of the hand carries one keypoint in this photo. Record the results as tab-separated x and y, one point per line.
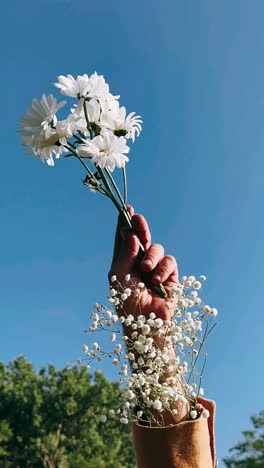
152	267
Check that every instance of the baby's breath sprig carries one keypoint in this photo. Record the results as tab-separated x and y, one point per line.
155	378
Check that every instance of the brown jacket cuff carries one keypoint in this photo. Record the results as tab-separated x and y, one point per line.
189	444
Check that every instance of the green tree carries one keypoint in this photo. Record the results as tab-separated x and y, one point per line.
51	418
250	452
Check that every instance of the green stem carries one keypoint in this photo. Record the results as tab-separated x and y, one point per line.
87	119
74	152
125	184
116	189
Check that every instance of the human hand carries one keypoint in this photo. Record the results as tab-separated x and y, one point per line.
151	267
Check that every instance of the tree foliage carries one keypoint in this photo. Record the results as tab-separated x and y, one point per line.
51	418
250	452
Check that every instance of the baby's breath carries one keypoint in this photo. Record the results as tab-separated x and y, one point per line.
154	377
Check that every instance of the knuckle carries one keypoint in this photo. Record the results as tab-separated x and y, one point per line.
170	259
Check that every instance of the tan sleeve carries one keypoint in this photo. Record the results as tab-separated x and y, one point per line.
189	444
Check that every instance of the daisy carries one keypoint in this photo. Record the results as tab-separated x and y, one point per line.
116	120
73	87
106	151
39	116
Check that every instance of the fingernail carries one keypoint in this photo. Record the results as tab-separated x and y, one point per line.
156	278
147	262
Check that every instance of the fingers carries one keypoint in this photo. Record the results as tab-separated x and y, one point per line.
166	271
128	253
164	268
141	228
152	257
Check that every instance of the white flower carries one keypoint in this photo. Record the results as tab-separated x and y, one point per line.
158	323
141	285
214	311
193	414
36	131
197	285
203	278
113	337
124	420
205	413
99	89
39	115
157	405
85	348
103	418
106	151
122	125
113	278
145	329
127	277
74	87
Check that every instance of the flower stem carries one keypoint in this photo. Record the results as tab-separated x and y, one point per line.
125	184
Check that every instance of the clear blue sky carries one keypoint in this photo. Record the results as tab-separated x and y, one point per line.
194	71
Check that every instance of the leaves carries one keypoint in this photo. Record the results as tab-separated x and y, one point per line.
51	418
250	452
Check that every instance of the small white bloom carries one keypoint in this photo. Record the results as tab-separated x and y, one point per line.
152	315
201	391
131	356
124	420
95	346
197	285
214	311
124	296
205	413
207	309
113	278
127	277
85	348
103	418
157	405
203	278
141	285
193	414
158	323
113	337
198	325
115	362
145	329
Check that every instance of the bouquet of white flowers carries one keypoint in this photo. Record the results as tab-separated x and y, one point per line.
96	132
162	356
